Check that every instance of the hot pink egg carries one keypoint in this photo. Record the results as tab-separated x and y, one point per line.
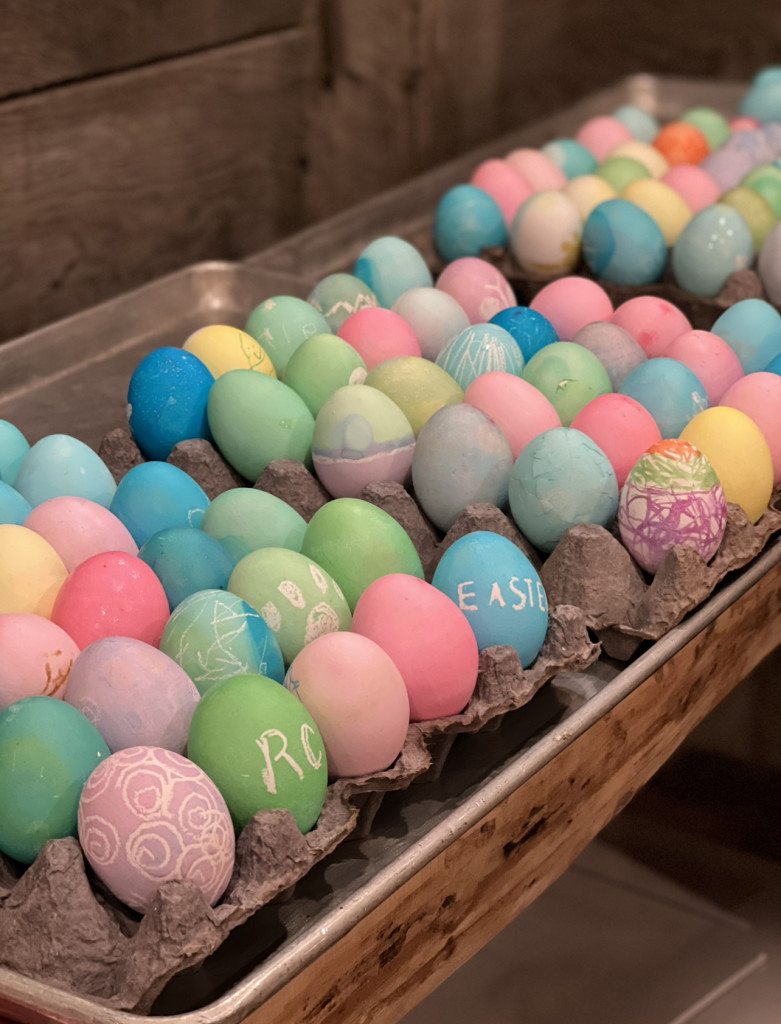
427	636
478	287
506	186
78	528
652	322
538	169
710	358
378	334
758	395
601	134
621	427
112	594
357	697
37	657
693	184
572	302
519	410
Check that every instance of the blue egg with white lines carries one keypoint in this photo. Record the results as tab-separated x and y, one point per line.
481	348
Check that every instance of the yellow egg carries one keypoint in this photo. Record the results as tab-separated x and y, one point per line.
31	572
417	386
738	452
587	191
670	211
224	348
645	154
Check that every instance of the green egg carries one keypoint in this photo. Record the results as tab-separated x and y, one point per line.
260	746
767	181
357	542
338	296
297	597
417	386
620	171
569	375
256	419
245	518
713	125
282	323
322	365
755	210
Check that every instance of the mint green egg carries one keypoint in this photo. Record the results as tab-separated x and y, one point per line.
322	365
255	419
766	180
620	171
245	518
357	542
297	597
282	323
713	125
261	748
569	375
338	296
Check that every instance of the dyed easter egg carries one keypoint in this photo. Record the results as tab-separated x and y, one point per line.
622	244
466	221
111	594
752	329
461	458
728	167
37	658
338	296
694	185
736	448
357	542
214	635
769	265
13	507
669	391
496	587
245	518
321	365
569	376
518	408
166	401
78	528
256	419
221	348
667	207
134	694
774	366
282	323
59	464
439	675
417	386
652	321
680	142
262	749
570	303
572	157
155	495
478	287
710	122
530	329
671	497
379	334
755	210
763	100
481	348
714	244
545	234
357	698
13	448
506	185
620	171
560	479
601	133
433	315
644	153
361	436
31	571
758	395
766	180
148	816
542	173
587	191
614	347
641	124
187	560
621	427
390	266
709	357
47	752
298	599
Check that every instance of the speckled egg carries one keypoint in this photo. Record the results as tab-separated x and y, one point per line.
478	287
78	528
154	495
321	365
433	315
545	234
391	266
282	323
417	386
37	658
614	347
481	348
245	518
221	348
60	464
337	296
531	330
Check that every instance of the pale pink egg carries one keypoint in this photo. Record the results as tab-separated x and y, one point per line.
78	528
538	169
572	302
480	289
602	133
693	184
37	658
356	694
710	358
428	638
506	186
621	427
743	124
653	323
758	395
519	410
378	334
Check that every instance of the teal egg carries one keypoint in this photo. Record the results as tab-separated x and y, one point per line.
621	243
466	221
185	561
752	329
642	125
13	448
572	157
670	391
481	348
156	495
391	266
13	507
338	296
62	465
320	366
245	518
714	244
282	323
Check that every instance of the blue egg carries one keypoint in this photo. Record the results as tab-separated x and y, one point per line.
670	391
13	448
498	589
774	366
167	398
481	348
14	509
466	221
62	465
560	479
623	244
767	75
714	244
154	495
531	330
572	157
641	124
752	329
186	561
391	266
763	99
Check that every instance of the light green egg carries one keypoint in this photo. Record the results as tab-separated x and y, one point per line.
338	296
320	366
767	181
245	518
418	386
713	125
282	323
755	210
620	171
569	375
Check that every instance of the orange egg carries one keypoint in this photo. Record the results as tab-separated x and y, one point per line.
681	143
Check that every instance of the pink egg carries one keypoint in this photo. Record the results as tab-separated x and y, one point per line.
743	124
710	358
758	395
601	134
112	594
357	697
538	169
652	322
478	287
572	302
149	816
427	636
37	657
519	410
378	334
77	528
693	184
507	186
621	427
